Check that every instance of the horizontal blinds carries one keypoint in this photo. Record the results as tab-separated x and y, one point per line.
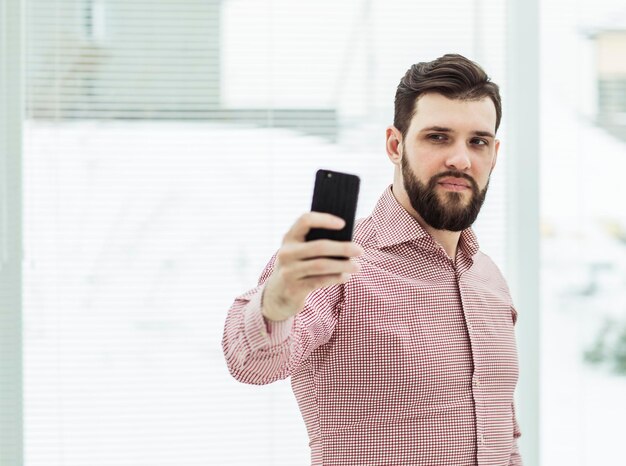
168	147
116	60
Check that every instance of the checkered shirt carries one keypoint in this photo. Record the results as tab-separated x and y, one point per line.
411	362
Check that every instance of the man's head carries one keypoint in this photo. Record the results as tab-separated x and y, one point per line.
443	140
452	76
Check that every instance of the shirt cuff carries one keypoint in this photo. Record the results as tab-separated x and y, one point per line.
262	332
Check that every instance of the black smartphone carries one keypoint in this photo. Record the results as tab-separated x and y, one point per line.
335	193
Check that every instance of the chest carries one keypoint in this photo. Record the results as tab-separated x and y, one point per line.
428	336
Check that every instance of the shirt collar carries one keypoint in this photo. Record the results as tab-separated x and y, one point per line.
394	225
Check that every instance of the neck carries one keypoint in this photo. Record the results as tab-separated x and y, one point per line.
448	240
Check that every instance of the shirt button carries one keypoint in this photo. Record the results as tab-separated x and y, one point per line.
482	439
470	327
476	382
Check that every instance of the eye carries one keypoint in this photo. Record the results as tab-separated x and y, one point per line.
437	137
480	142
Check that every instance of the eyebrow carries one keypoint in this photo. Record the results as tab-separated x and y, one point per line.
441	129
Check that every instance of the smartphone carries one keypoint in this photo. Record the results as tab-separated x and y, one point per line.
335	193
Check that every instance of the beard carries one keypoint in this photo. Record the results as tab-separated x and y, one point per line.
447	211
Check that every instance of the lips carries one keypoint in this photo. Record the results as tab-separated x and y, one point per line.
460	182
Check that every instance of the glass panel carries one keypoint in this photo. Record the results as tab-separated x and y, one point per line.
583	272
168	146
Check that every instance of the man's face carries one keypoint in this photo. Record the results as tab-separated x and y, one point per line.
447	157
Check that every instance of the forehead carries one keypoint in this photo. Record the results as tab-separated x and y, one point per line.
460	115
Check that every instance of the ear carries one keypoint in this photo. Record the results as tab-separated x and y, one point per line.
495	155
394	144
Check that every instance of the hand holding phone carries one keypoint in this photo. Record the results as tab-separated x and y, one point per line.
304	264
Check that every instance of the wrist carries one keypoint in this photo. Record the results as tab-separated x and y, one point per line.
271	311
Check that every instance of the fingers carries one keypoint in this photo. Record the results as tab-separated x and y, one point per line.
318	248
320	281
302	266
293	273
310	220
302	270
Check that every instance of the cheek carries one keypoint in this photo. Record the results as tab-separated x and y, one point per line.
425	166
483	180
422	172
483	169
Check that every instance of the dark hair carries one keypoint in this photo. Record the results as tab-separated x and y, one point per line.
452	76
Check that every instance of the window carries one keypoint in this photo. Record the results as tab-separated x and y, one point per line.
167	147
583	300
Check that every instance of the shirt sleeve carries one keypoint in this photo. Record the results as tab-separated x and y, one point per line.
516	459
259	351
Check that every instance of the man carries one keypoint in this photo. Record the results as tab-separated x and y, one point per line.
405	354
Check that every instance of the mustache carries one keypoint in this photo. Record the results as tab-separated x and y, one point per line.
454	174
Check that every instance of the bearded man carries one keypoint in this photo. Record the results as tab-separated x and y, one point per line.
405	354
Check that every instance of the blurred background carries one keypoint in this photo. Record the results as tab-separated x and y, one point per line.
169	144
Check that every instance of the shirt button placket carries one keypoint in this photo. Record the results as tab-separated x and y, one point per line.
480	424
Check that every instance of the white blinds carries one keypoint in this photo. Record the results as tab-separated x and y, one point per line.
123	59
168	146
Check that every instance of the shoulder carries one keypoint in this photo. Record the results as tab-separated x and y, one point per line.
485	270
485	264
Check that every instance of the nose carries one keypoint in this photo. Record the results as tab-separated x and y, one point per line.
459	158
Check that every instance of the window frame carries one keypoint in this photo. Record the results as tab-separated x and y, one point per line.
523	241
11	120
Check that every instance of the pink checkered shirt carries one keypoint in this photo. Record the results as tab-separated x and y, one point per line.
411	362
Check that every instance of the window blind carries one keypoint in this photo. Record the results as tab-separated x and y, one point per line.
112	59
168	146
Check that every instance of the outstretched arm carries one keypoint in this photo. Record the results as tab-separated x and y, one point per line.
273	328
